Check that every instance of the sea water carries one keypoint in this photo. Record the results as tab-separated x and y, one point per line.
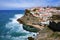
10	29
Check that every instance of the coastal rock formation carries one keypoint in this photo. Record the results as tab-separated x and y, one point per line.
45	21
48	34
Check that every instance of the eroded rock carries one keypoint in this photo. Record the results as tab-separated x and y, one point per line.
32	23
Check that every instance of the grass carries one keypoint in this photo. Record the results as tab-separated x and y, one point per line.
55	35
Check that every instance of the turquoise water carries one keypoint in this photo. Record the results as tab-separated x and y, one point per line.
10	29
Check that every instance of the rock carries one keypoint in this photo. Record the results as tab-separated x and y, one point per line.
54	26
29	19
30	28
30	38
47	34
32	23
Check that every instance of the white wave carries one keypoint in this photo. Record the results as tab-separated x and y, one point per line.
14	26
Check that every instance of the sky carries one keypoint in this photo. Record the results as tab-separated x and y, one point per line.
22	4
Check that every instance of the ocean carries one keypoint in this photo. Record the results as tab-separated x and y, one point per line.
10	29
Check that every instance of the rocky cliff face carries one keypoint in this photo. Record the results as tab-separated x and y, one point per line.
46	32
28	20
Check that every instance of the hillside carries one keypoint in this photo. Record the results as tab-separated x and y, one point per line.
45	21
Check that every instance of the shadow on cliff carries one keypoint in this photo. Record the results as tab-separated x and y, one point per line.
54	26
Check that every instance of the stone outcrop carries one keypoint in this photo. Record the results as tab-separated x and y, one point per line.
49	31
48	34
29	20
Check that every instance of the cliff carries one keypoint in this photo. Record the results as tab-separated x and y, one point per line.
48	26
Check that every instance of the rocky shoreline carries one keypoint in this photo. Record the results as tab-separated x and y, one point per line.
32	21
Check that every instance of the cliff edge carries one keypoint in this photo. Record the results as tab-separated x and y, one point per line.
45	21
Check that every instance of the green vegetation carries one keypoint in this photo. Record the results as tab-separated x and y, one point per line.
55	35
56	17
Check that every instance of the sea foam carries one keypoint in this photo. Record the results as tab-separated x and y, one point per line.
14	26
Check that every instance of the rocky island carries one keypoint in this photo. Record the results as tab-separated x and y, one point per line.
42	20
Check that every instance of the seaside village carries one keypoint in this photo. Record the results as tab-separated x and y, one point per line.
45	18
44	14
